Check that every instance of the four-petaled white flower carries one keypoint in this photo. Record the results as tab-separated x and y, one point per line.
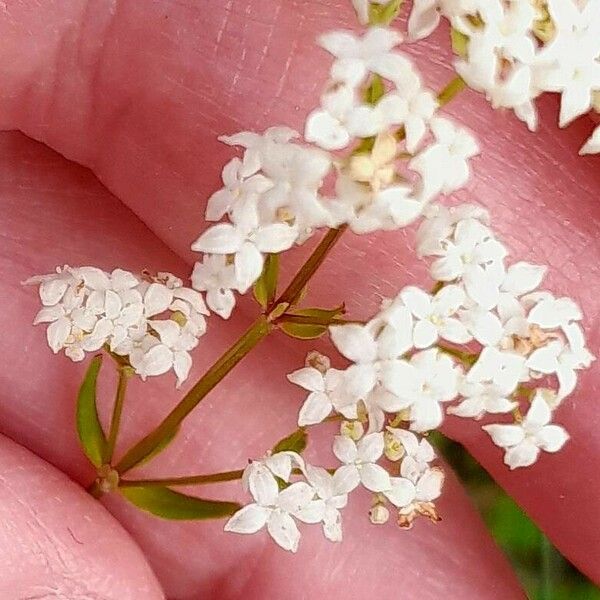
523	441
443	166
357	56
474	255
435	315
562	359
248	241
414	492
425	381
331	496
360	461
215	275
326	393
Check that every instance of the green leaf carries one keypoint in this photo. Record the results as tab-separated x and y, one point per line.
375	91
167	504
308	323
296	442
322	316
89	429
265	287
459	41
303	331
384	14
159	448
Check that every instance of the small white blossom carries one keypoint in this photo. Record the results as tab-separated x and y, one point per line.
357	56
237	190
435	315
332	495
326	393
562	359
248	241
443	165
360	462
472	253
425	381
419	451
523	441
215	275
497	367
414	492
569	62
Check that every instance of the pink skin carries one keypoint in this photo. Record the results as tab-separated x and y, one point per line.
138	93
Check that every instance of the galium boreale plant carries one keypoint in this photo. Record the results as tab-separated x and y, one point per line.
487	339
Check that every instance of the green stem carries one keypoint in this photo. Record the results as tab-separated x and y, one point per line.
115	421
314	320
452	89
315	260
259	329
190	480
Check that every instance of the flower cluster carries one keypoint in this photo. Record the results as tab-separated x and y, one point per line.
478	344
514	50
374	113
318	494
88	309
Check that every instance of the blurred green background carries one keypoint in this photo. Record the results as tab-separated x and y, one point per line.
543	571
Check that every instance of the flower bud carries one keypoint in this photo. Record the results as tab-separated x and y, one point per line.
317	361
379	514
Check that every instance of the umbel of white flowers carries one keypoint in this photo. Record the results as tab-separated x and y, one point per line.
485	341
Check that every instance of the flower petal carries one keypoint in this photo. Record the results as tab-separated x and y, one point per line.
249	519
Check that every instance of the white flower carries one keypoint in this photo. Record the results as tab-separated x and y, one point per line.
275	511
483	396
434	315
215	275
237	190
247	240
429	378
156	357
327	126
360	462
373	348
414	492
569	63
258	146
419	451
356	56
272	507
502	369
425	14
592	146
524	441
472	254
421	106
440	223
550	312
324	394
562	360
332	495
443	165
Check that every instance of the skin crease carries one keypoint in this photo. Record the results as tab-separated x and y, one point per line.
138	95
57	542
